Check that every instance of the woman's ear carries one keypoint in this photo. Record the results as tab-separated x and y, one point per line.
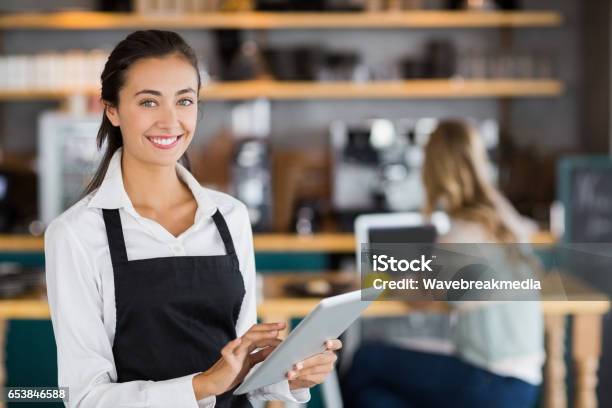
111	113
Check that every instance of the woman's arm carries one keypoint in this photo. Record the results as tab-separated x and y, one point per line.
85	357
243	238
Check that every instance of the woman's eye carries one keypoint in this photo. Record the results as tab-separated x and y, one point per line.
186	102
148	103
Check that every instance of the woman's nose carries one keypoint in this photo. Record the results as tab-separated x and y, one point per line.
168	118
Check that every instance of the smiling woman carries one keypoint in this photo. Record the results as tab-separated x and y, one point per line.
150	276
167	111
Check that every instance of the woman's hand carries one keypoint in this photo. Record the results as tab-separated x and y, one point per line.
315	369
236	359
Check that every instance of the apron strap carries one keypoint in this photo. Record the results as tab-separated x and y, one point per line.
224	232
114	232
116	242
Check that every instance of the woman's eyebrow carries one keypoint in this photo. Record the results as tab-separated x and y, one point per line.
148	91
157	93
186	90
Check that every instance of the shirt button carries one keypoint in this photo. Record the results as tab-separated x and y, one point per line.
178	249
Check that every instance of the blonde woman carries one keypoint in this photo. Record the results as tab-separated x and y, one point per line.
498	347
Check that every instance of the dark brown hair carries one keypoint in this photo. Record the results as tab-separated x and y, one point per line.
136	46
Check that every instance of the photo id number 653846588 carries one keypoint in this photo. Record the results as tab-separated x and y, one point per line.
35	394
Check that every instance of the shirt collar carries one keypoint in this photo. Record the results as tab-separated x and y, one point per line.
112	195
206	206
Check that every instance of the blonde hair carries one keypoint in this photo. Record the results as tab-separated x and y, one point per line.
454	175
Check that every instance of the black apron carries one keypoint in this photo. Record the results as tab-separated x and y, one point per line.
174	314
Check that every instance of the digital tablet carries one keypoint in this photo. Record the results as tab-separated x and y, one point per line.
328	320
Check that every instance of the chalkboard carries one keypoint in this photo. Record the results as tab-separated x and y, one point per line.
585	189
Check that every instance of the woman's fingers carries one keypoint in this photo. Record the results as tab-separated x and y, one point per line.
264	343
253	340
307	380
227	352
323	358
333	344
230	347
267	326
315	369
318	365
322	369
261	355
301	384
258	336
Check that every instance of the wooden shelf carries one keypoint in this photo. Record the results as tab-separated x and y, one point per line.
340	243
304	90
263	243
42	94
410	89
267	20
543	238
21	243
34	308
324	242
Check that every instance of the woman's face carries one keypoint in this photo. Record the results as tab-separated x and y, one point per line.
157	110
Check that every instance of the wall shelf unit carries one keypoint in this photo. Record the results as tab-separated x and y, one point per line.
410	89
268	20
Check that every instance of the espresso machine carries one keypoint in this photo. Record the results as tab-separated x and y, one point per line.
251	175
377	164
252	180
363	155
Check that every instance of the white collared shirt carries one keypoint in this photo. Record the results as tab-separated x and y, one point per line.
81	291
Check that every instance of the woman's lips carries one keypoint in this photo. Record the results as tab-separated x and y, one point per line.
164	142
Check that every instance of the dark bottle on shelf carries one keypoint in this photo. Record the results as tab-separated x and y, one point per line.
290	5
440	59
484	4
115	5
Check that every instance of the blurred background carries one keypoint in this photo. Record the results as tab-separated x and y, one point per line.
315	112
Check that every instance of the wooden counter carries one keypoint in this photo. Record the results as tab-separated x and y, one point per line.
586	332
586	327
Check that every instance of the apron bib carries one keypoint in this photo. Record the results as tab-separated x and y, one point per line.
174	314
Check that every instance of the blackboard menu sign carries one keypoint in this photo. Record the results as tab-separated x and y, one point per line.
585	189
